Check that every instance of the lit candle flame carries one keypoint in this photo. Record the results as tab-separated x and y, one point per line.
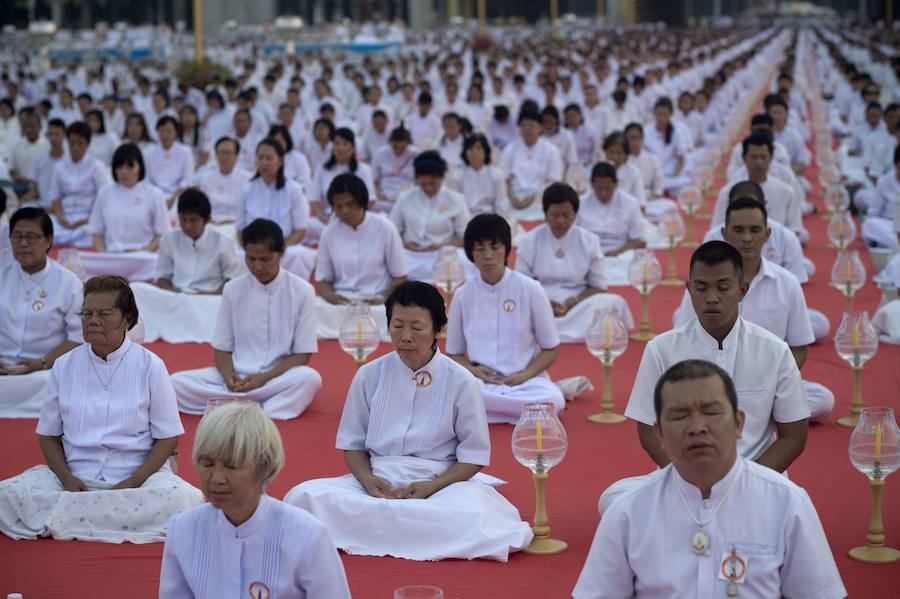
878	441
540	436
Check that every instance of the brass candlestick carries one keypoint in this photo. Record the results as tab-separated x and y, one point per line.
875	551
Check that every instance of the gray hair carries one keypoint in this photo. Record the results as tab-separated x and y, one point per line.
241	433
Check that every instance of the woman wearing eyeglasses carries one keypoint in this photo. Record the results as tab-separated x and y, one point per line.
39	305
108	425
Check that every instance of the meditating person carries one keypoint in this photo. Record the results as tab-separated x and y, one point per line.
669	144
530	164
296	166
127	221
360	258
651	172
774	299
615	218
568	263
243	542
39	305
272	196
429	216
762	366
137	133
103	142
501	326
108	427
342	160
629	177
877	229
170	163
223	183
77	179
392	168
751	532
265	335
195	261
414	437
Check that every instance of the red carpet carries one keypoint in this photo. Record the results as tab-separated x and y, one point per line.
598	455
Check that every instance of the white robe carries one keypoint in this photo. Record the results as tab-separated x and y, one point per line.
614	223
281	547
530	170
172	169
504	327
26	332
223	191
76	187
393	174
415	425
260	325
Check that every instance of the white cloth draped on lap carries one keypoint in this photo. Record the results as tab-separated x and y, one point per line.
573	325
34	504
662	206
21	395
421	264
64	236
282	398
887	322
176	317
133	266
615	269
504	403
465	520
534	211
330	316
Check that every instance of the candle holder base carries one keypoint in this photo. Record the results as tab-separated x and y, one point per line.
874	555
607	418
849	421
545	546
672	282
643	336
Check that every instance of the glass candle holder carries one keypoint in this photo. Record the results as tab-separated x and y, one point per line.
359	335
606	339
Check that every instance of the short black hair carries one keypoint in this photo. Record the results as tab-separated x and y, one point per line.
604	169
477	138
634	127
31	213
745	203
774	100
550	111
487	227
715	252
400	133
99	116
420	295
193	201
58	123
763	119
125	301
616	138
168	119
746	189
351	184
81	129
425	98
757	138
263	230
430	163
559	193
128	154
529	115
226	139
689	370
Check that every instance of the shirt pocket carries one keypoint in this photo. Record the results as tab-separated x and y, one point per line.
763	563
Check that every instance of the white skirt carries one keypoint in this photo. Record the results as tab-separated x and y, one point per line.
21	395
34	504
330	316
133	266
282	398
176	317
887	321
573	325
503	403
465	520
615	269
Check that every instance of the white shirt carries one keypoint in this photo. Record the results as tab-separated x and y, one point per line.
451	151
388	413
322	178
197	265
564	266
296	167
503	326
667	153
223	191
632	182
642	545
281	546
565	143
286	206
887	194
766	377
361	262
108	432
39	311
793	142
391	173
782	205
171	169
316	154
24	153
425	131
614	222
782	248
736	162
76	185
774	301
531	168
263	324
41	172
651	172
484	189
103	146
430	221
129	218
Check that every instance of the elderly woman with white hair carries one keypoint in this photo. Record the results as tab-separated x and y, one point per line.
108	427
243	542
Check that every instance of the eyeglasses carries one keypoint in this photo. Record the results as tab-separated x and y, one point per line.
29	238
102	313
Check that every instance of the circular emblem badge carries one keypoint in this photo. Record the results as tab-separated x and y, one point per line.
37	306
509	305
422	378
258	590
734	567
560	253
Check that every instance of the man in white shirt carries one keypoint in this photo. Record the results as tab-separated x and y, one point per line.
785	134
265	335
530	163
222	183
779	155
712	523
878	227
45	164
762	366
27	148
424	125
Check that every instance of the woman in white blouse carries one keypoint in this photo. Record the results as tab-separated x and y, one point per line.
103	142
392	168
137	133
39	305
170	164
296	166
127	221
668	143
414	437
651	172
193	135
271	195
429	216
76	181
360	258
108	427
243	542
616	149
568	263
343	160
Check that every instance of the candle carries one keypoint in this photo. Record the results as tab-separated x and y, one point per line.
606	335
841	229
877	441
849	269
856	340
540	436
449	275
646	270
359	335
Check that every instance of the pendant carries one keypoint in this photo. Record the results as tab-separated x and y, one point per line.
700	542
42	294
37	306
560	253
731	590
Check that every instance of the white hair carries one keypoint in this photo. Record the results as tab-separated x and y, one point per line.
241	433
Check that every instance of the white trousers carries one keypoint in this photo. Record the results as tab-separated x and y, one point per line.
330	316
820	400
879	231
282	398
887	322
21	395
821	326
34	504
176	317
133	266
465	520
573	325
503	403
